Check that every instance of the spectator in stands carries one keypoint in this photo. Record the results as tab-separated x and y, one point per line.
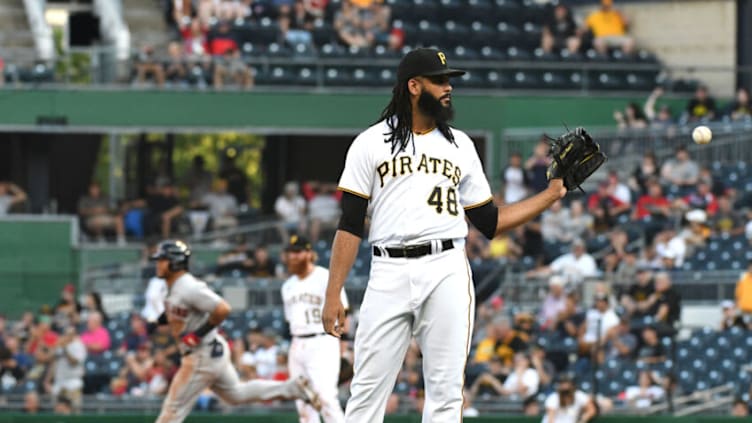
290	208
740	108
568	404
743	291
523	380
67	310
41	346
681	171
239	258
560	31
96	338
647	393
514	180
665	304
553	223
646	171
697	233
609	29
67	378
575	265
197	180
570	320
502	341
146	374
664	118
536	167
162	209
701	108
652	350
632	117
31	403
231	67
543	366
635	300
730	316
222	40
176	68
619	190
323	210
671	249
11	372
621	344
24	327
93	304
10	195
579	224
223	207
263	265
195	40
739	408
376	20
149	66
136	336
554	303
350	27
97	216
616	252
21	358
503	249
266	354
237	178
701	199
653	204
605	207
599	320
299	24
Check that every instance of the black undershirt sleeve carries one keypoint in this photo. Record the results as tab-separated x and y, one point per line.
485	218
353	217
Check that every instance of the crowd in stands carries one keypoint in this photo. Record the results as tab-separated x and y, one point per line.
701	108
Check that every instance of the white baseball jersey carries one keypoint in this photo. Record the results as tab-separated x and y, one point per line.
304	300
191	301
415	197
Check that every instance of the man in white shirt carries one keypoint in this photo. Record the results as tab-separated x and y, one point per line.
599	320
290	208
514	180
68	379
574	266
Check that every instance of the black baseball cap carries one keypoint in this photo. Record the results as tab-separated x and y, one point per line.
425	62
298	243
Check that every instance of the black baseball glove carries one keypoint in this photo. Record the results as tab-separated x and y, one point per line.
575	157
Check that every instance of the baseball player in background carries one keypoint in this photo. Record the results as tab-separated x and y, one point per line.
193	312
313	354
417	179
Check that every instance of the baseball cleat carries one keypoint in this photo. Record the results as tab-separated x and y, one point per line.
307	393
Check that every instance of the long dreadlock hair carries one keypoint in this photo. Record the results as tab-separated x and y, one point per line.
398	115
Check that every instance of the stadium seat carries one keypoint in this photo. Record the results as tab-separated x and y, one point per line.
332	50
426	9
472	79
334	76
508	10
363	77
450	9
540	55
401	9
306	75
481	34
479	10
427	33
517	53
278	50
464	53
506	35
497	79
491	53
280	75
609	81
323	33
454	34
531	35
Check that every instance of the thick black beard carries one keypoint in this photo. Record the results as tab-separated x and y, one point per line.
433	108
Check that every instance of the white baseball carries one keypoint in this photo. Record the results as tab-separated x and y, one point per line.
702	135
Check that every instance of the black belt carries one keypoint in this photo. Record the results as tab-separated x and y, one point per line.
309	335
412	251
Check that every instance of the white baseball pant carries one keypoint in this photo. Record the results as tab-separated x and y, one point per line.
201	369
318	359
431	298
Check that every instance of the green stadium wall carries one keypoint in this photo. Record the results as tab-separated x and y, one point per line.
280	111
291	418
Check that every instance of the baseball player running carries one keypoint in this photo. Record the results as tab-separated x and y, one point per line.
417	178
193	312
313	354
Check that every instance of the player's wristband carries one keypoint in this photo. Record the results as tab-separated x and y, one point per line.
353	214
204	329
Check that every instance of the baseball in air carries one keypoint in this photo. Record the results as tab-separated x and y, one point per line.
702	135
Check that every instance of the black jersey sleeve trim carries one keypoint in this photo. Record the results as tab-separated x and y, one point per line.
485	218
353	217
